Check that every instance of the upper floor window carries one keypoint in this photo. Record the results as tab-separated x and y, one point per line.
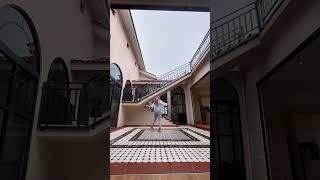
58	71
115	73
16	36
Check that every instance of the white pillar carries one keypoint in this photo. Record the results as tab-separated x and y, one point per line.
189	106
169	103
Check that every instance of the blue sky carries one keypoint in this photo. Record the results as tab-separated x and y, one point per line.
169	39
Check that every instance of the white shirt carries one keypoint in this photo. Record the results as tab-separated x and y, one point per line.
158	107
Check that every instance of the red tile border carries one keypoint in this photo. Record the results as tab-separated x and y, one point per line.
202	126
159	168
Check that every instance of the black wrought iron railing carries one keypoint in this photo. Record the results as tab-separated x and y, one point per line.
230	31
73	105
139	93
266	9
201	51
226	33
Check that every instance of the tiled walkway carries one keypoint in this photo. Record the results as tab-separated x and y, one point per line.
174	149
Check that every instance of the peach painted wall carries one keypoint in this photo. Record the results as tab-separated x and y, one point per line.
122	56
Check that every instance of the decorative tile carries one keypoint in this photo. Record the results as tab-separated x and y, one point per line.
172	144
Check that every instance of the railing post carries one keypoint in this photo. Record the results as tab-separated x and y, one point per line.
258	14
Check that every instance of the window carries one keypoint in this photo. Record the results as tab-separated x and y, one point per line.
128	45
115	93
19	75
227	140
115	73
58	71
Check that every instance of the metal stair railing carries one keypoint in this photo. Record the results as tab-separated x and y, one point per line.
240	26
170	77
225	34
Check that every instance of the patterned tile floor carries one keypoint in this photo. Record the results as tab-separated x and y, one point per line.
174	149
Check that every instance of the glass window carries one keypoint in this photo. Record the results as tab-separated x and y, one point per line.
115	73
58	71
5	73
16	35
19	74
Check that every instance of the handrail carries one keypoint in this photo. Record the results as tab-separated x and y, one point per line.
169	77
266	9
234	12
73	104
229	32
240	26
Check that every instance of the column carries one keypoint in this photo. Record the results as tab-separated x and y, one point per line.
189	106
169	103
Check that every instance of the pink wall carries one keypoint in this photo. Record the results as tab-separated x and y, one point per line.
122	56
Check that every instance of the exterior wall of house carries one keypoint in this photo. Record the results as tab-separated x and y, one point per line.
123	56
138	115
64	32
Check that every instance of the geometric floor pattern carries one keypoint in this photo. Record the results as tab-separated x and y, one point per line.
171	144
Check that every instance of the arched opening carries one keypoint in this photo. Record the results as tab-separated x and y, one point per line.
178	111
58	71
19	76
228	158
60	108
127	92
115	93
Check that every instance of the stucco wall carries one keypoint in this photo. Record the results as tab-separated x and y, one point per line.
122	56
63	31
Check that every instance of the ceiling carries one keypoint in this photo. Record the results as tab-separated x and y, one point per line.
202	87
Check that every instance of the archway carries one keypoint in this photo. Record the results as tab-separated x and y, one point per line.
115	92
58	97
127	92
19	76
58	71
178	113
228	158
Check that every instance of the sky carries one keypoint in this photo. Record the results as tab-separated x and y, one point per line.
168	39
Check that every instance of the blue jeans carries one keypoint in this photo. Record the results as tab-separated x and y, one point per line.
157	118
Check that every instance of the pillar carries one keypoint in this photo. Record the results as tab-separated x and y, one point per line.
169	103
189	105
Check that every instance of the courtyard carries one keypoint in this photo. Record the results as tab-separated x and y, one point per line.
175	149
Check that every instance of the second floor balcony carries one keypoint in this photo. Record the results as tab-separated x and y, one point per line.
80	105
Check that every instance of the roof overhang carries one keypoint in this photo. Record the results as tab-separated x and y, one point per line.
99	64
148	74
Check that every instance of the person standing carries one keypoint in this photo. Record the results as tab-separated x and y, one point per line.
157	107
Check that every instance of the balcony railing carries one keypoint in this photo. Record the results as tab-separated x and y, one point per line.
267	8
240	26
73	105
139	93
230	31
226	34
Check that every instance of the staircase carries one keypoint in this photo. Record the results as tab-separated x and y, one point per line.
167	80
225	35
